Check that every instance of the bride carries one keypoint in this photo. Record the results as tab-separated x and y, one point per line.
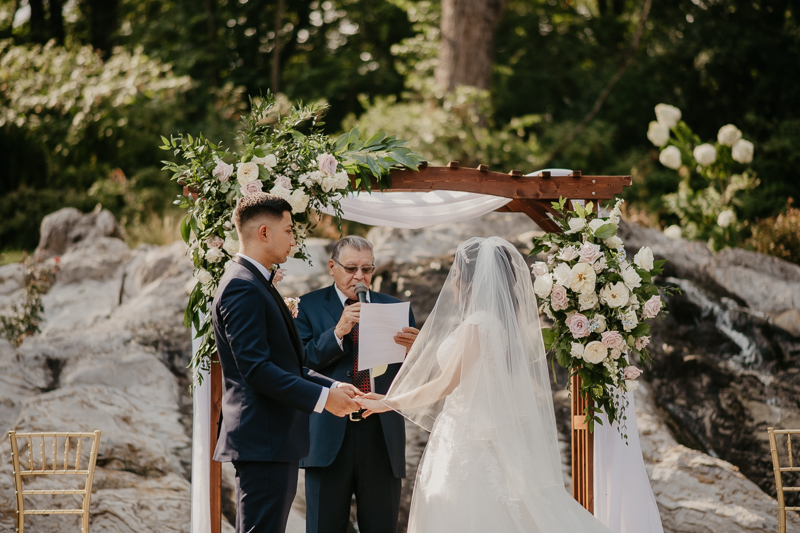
477	379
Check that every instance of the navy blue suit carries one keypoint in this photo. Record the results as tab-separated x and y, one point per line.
267	396
365	458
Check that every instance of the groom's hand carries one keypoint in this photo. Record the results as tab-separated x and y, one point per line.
350	389
340	402
350	317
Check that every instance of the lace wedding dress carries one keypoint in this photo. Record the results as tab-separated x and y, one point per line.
477	379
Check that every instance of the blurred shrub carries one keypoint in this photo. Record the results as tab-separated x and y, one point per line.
779	236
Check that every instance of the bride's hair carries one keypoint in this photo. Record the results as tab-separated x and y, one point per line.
504	265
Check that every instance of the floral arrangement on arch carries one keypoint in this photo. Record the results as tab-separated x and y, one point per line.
714	176
599	303
284	154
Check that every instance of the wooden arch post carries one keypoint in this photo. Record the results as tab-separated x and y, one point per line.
531	195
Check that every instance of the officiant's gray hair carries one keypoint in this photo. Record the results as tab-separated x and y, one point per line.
353	241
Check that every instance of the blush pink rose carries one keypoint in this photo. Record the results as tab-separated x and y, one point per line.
641	343
652	307
327	164
612	339
284	181
631	372
214	242
590	253
578	325
223	171
568	254
559	298
539	269
252	187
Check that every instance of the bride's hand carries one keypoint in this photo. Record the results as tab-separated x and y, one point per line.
371	402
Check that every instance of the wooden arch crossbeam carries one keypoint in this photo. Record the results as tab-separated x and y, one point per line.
531	195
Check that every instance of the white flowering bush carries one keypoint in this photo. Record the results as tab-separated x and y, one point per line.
309	170
599	303
713	177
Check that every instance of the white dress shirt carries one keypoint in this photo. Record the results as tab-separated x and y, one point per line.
323	397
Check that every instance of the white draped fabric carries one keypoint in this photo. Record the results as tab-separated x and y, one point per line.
623	498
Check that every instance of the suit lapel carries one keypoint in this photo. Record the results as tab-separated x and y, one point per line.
287	316
333	304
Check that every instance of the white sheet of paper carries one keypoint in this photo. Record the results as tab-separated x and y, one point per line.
378	325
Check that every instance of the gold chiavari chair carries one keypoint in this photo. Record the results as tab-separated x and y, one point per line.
779	470
27	466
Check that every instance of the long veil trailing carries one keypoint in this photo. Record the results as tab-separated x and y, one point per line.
477	377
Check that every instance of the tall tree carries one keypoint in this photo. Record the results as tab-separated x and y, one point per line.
103	15
38	21
466	49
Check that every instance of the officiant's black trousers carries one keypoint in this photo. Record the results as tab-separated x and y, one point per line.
362	467
264	495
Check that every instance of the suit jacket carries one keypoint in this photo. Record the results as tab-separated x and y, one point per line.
267	396
320	311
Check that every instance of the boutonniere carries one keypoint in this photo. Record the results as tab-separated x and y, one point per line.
293	304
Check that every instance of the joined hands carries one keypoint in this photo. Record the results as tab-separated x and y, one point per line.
341	400
372	403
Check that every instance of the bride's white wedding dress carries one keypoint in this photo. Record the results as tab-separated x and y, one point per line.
478	380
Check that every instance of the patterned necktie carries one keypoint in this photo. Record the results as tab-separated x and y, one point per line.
360	379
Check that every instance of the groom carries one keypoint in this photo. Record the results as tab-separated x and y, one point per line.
267	396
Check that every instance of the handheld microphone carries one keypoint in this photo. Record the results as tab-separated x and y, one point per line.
361	292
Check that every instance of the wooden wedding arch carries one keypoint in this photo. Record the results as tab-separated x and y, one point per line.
531	195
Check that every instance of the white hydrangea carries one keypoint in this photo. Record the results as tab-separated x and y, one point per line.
705	154
667	115
670	157
742	151
728	134
658	134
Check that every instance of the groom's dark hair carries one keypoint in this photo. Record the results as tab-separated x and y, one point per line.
257	206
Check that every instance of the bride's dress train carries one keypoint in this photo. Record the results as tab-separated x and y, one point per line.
477	378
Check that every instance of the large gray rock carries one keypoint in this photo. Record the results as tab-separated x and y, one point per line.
62	230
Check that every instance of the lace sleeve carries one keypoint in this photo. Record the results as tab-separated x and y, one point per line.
461	361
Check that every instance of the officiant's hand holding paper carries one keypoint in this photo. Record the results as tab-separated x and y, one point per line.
406	337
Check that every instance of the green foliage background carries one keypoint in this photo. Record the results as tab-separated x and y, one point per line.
136	69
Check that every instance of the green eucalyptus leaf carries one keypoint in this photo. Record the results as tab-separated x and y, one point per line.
606	231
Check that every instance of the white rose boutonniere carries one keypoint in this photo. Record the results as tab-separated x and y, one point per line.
294	305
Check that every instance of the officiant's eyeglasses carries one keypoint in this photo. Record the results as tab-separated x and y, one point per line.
353	269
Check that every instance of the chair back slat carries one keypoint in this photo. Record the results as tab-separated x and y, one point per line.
789	449
50	466
778	471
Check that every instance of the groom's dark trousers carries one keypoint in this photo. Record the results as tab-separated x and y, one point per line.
267	396
364	458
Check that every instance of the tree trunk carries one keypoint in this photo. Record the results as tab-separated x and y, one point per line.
466	48
57	20
38	33
276	51
211	31
103	24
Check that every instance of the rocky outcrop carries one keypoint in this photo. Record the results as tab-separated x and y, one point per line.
111	356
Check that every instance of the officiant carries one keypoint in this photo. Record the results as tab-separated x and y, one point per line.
350	456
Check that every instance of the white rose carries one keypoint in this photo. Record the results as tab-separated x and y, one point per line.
223	171
575	225
598	324
673	232
629	320
670	157
705	154
539	268
562	274
214	255
203	276
268	161
247	173
631	278
595	224
568	253
615	353
667	115
328	184
644	258
298	200
583	278
595	352
281	192
615	294
615	243
658	134
327	164
726	218
587	300
577	350
543	285
631	385
231	245
728	134
742	151
342	180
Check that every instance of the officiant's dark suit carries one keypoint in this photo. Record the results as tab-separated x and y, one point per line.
361	457
267	396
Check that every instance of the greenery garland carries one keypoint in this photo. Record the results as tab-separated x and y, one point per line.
282	153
